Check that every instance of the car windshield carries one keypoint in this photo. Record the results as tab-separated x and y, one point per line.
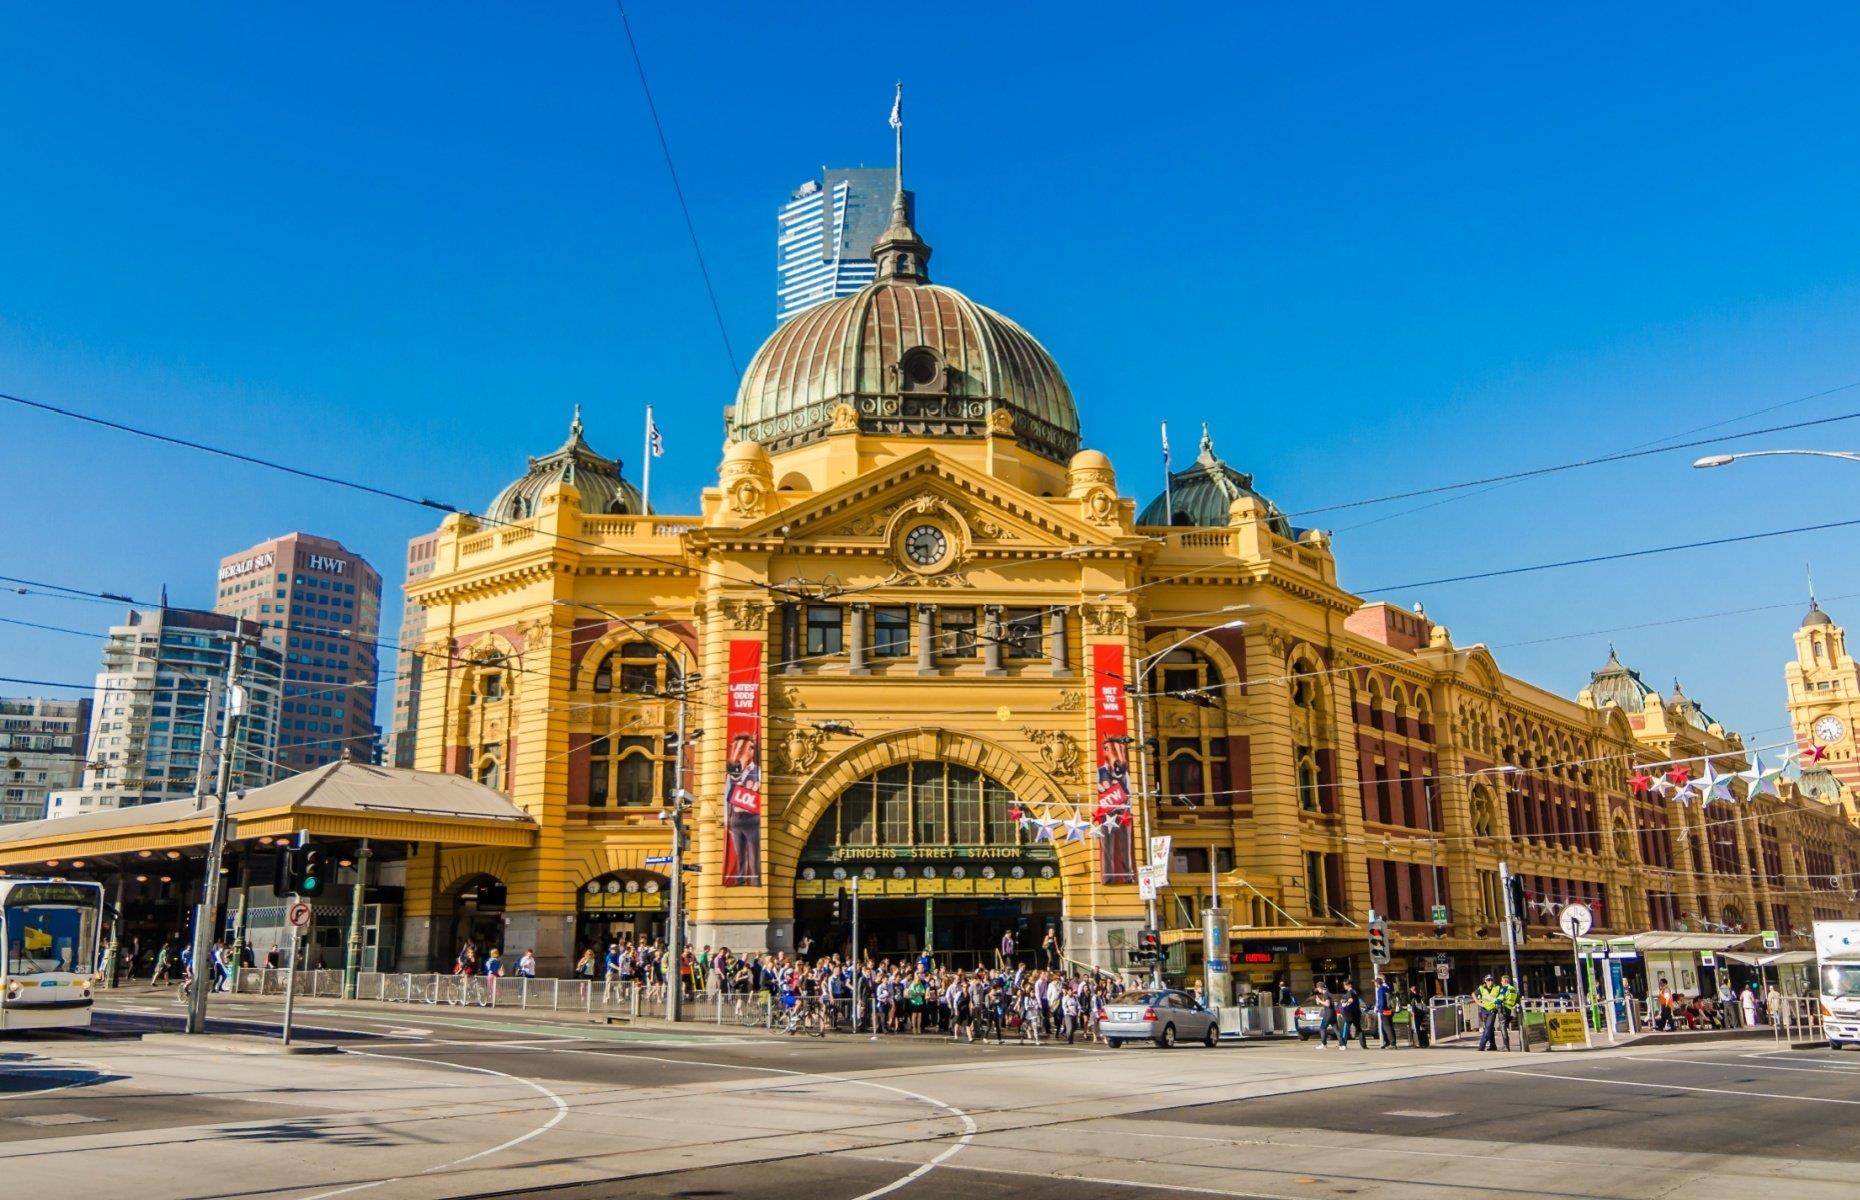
1840	980
1140	998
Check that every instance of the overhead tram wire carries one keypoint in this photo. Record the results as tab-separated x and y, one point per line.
671	168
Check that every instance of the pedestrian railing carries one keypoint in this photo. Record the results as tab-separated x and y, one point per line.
1796	1018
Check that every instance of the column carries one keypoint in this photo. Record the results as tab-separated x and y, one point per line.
245	903
352	962
991	640
856	640
1057	649
926	640
116	935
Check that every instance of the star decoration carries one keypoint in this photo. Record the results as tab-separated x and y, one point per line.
1640	781
1713	786
1016	813
1762	779
1815	753
1077	828
1044	825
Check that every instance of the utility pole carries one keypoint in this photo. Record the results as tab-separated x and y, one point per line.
1144	800
1511	948
207	916
681	803
857	965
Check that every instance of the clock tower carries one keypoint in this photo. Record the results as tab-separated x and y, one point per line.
1824	697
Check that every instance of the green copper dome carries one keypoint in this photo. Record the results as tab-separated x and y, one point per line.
596	478
911	358
1202	494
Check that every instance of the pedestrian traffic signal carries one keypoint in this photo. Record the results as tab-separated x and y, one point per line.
1149	939
839	898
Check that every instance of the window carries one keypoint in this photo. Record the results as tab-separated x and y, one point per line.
1309	797
639	668
929	803
1021	632
1316	902
628	772
958	632
824	630
891	632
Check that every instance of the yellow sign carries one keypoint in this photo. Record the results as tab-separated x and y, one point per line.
1564	1028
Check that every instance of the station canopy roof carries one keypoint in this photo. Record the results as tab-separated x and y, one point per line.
341	800
1661	939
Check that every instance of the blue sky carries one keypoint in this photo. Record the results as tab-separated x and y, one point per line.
1374	251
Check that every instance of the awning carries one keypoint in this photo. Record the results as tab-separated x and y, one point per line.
341	800
1659	939
1780	959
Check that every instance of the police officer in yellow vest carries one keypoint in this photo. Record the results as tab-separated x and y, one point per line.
1490	998
1508	1015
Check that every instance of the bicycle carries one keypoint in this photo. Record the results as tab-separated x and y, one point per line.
468	989
805	1016
753	1011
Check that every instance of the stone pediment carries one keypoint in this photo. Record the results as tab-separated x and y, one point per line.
868	510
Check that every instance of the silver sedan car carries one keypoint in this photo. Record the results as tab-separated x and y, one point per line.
1163	1017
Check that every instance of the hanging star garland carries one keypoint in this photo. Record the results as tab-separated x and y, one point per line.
1762	779
1814	753
1713	786
1077	827
1640	781
1044	825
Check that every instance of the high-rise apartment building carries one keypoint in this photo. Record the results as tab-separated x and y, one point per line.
320	606
148	713
41	751
824	235
408	666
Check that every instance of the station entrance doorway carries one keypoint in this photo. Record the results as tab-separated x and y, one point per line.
962	932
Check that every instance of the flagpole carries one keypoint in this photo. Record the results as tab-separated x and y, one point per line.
897	127
1168	487
645	481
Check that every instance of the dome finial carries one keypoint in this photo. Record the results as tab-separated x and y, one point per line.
574	426
899	252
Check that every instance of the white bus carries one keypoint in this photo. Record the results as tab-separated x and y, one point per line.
50	929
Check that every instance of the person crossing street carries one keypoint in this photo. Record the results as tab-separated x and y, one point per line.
1488	999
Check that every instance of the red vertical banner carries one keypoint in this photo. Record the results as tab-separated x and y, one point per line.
1113	818
742	789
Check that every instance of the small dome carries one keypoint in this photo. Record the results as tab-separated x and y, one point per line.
1618	685
1202	494
1815	616
1089	460
598	480
911	358
746	451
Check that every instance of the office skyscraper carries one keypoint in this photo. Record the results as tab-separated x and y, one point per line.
41	751
410	668
824	235
147	715
320	606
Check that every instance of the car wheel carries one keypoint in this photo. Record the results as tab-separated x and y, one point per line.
1166	1039
1214	1036
1113	1043
1303	1036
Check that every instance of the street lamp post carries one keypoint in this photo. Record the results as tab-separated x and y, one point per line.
231	698
1725	460
1136	688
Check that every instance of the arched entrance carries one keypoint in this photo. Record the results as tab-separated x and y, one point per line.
622	904
477	915
938	860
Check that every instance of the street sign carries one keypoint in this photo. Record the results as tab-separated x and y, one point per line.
693	868
1575	920
1146	883
1159	858
1440	914
1707	959
1772	940
1565	1028
1443	969
658	860
298	914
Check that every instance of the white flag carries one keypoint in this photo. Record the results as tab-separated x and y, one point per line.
1165	437
897	109
653	439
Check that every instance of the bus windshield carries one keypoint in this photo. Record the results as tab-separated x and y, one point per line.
47	932
1840	980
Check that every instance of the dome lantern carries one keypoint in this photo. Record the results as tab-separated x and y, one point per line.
598	480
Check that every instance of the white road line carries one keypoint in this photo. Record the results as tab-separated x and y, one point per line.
956	1147
1673	1087
561	1111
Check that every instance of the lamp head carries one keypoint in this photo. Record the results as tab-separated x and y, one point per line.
1715	460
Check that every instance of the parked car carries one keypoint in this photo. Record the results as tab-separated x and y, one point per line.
1163	1017
1305	1019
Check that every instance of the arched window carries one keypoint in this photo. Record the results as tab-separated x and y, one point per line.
487	683
1624	841
628	772
489	772
919	804
1309	738
1372	697
1193	709
639	669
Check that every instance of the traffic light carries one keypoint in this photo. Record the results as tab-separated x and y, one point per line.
1378	941
1514	904
313	868
839	898
1440	920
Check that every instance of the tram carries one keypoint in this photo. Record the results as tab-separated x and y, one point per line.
50	928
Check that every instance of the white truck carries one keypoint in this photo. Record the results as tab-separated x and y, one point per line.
1837	954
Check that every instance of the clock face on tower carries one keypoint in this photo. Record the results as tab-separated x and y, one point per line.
926	546
1829	730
